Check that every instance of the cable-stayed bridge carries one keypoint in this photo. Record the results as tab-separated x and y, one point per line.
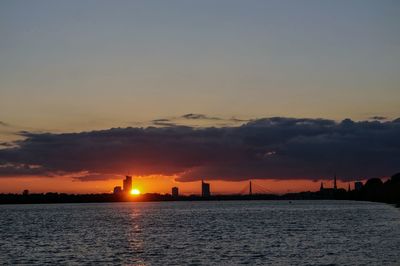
253	188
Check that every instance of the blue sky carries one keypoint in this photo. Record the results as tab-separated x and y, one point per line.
75	65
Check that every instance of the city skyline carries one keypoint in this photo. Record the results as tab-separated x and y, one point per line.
153	185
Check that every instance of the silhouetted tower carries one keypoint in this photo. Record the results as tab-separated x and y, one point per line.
349	189
205	189
250	189
127	184
322	186
175	192
334	182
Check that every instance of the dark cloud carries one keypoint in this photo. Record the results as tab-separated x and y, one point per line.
281	148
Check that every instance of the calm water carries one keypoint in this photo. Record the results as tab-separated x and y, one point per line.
202	233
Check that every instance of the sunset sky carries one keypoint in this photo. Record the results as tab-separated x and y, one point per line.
283	92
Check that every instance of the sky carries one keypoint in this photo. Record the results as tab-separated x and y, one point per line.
286	92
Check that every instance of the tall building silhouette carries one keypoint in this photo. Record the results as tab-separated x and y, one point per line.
250	188
334	182
127	184
175	192
205	189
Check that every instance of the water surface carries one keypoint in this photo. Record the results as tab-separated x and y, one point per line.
201	233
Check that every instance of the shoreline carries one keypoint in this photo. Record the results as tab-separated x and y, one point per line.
62	198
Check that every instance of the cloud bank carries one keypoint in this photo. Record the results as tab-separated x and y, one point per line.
276	148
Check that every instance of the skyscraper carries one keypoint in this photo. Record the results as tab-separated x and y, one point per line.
334	183
127	184
205	189
250	188
175	192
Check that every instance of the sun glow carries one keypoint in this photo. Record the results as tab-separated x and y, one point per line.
135	192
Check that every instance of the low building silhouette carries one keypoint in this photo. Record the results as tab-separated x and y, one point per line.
331	192
326	190
358	185
117	190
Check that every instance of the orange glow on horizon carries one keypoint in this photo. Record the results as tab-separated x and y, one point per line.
135	192
158	184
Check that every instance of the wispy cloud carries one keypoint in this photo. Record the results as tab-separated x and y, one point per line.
197	120
163	122
4	124
200	116
378	118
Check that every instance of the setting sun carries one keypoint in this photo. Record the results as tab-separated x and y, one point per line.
135	191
